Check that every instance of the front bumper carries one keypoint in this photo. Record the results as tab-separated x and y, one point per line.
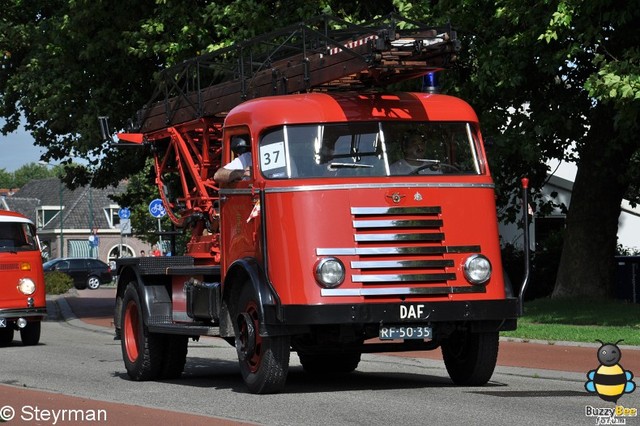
30	314
494	311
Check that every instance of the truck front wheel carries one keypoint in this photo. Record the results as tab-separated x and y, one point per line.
175	356
470	358
264	361
6	336
30	335
141	350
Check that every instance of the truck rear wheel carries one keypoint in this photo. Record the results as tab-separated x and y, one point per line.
175	356
30	334
142	351
264	361
470	358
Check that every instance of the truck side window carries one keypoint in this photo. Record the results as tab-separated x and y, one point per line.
273	155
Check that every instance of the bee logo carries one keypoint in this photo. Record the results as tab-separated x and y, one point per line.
609	380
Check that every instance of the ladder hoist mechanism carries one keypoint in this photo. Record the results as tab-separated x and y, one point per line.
183	121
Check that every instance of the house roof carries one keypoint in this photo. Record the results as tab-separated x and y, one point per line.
83	207
26	206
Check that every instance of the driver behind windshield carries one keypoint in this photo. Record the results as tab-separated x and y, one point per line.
413	149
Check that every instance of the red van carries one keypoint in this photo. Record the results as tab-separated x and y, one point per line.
22	289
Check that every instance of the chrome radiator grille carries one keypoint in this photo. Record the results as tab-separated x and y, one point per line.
400	251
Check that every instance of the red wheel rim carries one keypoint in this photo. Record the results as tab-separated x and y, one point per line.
130	331
252	359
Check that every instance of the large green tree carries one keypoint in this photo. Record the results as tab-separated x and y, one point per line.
607	33
63	63
543	76
560	79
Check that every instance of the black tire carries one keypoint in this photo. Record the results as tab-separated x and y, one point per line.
6	336
175	356
470	358
30	334
264	361
93	282
142	351
318	364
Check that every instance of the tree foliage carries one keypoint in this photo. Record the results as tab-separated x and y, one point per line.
27	173
549	79
558	79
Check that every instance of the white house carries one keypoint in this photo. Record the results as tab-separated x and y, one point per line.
561	182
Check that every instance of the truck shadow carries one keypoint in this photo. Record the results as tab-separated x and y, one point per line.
210	373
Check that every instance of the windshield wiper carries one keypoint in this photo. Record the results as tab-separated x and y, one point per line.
350	166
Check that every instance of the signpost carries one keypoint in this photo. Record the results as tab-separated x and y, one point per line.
157	210
124	213
125	221
125	225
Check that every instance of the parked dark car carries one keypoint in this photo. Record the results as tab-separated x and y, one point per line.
85	272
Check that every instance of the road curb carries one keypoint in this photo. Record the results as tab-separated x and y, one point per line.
564	343
70	318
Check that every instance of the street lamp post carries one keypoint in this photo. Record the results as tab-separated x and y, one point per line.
92	231
60	212
61	221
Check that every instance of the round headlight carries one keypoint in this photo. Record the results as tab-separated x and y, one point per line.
330	272
477	269
26	286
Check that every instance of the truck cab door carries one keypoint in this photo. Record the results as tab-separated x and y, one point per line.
237	202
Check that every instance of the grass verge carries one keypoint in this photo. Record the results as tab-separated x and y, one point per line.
574	320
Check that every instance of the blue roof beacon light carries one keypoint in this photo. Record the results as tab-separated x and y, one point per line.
430	83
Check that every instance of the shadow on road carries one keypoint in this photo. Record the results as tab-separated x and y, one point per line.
211	373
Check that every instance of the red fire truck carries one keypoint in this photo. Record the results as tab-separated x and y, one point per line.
367	222
22	290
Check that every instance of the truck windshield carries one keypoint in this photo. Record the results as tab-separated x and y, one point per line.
369	149
16	237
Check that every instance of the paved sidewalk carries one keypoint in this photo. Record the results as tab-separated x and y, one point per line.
94	309
85	308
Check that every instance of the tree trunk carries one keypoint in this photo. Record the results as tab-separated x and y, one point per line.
587	264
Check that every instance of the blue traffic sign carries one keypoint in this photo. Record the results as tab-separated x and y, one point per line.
156	208
124	213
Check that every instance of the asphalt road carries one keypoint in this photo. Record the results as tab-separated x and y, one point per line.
78	369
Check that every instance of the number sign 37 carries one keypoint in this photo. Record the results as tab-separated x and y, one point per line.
272	156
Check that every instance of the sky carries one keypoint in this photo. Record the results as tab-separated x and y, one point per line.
17	149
